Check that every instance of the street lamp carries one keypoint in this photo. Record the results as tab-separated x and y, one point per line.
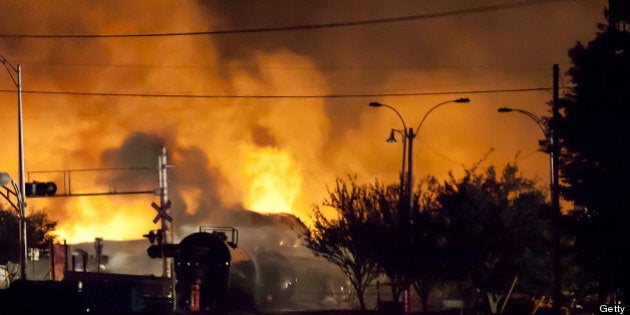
555	201
409	135
16	76
392	139
19	206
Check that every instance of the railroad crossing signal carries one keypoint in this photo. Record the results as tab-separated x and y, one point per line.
162	212
162	251
156	235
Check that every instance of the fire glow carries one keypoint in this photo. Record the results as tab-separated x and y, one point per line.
257	153
100	216
273	181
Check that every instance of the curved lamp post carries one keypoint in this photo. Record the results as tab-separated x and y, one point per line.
19	206
16	76
555	201
552	166
409	135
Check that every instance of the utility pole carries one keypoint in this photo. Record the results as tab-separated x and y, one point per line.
555	199
23	239
409	213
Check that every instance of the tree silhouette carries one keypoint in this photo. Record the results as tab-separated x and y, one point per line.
595	142
408	251
38	226
480	230
493	231
367	231
346	240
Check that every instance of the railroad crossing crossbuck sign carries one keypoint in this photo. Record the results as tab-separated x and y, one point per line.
162	212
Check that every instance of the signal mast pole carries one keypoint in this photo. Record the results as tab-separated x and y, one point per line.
167	229
166	221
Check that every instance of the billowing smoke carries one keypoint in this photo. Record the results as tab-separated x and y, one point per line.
260	153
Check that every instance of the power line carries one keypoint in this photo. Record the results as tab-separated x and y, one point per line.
313	96
414	17
533	66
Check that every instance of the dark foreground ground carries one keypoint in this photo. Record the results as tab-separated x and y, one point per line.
108	298
354	312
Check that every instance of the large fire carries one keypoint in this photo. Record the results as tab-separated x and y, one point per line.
92	217
255	152
273	181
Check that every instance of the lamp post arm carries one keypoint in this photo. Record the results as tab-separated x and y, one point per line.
397	113
19	195
10	69
7	196
534	118
429	112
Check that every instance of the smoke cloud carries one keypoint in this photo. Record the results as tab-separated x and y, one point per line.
267	154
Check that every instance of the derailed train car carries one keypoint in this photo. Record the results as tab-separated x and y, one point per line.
213	274
276	281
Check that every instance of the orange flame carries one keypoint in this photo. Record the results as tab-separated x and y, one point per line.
106	217
272	180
